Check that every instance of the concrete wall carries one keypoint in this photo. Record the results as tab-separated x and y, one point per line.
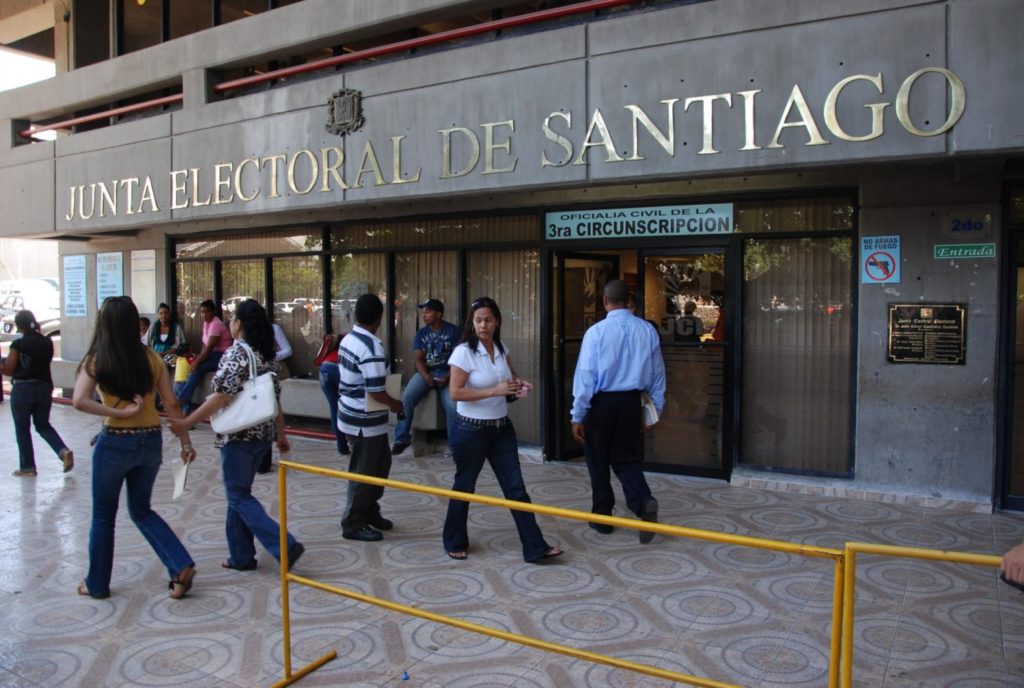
768	60
76	332
923	429
928	426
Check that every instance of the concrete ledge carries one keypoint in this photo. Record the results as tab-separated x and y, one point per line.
63	373
299	397
304	398
800	486
429	413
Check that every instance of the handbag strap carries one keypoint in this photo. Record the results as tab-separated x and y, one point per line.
252	358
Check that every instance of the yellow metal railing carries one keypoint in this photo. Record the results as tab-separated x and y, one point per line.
679	531
850	553
844	592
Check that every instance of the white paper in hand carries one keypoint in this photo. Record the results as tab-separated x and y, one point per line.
180	476
393	388
648	409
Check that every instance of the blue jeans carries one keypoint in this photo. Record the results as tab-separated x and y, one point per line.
30	403
209	365
414	392
329	379
471	446
134	461
246	518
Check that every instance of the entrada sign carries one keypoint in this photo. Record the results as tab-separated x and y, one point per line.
950	251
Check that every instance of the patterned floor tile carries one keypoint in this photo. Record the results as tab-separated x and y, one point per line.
696	606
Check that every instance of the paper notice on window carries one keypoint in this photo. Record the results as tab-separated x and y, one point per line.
180	476
393	387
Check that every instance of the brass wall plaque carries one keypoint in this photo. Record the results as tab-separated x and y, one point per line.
928	333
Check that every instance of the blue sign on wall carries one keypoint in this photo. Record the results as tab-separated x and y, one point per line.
632	223
109	276
74	287
880	259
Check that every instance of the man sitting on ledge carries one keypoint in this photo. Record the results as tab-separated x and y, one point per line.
432	346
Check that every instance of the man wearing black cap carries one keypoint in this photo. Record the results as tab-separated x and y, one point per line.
432	346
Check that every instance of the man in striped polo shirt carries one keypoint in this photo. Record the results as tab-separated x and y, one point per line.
363	370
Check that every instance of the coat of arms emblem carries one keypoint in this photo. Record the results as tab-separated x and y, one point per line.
345	112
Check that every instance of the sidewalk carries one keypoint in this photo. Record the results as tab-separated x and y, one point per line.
749	617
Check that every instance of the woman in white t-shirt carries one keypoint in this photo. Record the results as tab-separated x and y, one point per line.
481	379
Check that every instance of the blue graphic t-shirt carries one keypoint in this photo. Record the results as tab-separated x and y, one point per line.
437	346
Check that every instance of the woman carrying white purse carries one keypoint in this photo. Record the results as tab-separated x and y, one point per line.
241	450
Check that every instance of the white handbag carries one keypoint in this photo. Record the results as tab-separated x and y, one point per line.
256	402
648	409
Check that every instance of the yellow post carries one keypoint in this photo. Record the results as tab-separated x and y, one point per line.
837	622
283	520
849	581
282	513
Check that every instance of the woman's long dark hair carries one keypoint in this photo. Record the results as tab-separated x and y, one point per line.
469	333
116	358
256	327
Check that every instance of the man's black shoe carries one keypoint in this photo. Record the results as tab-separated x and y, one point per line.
649	514
602	528
381	523
399	447
366	534
294	554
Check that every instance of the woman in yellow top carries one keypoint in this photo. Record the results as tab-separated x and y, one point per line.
129	450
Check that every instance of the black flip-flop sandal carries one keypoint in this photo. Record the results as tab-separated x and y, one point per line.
251	566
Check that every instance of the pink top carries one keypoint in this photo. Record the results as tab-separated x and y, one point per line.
216	327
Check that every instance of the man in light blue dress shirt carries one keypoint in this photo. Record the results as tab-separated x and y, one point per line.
620	358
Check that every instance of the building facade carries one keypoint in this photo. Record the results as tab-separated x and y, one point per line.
835	186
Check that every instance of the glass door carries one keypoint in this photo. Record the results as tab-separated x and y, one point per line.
577	304
683	298
1013	480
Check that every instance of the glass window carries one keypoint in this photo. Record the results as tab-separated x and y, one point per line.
797	316
418	277
681	297
195	285
241	280
429	233
512	279
266	244
1017	457
1016	214
231	10
353	275
189	16
141	24
794	215
298	308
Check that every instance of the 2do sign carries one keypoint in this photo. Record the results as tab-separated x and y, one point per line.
967	224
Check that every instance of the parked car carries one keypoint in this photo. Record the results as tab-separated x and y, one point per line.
8	332
41	298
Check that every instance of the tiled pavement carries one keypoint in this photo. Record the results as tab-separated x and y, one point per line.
749	617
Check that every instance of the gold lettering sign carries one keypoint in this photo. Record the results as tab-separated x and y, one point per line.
461	148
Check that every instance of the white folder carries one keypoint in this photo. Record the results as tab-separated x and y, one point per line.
393	387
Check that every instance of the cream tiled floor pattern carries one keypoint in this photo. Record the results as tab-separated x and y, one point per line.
750	617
